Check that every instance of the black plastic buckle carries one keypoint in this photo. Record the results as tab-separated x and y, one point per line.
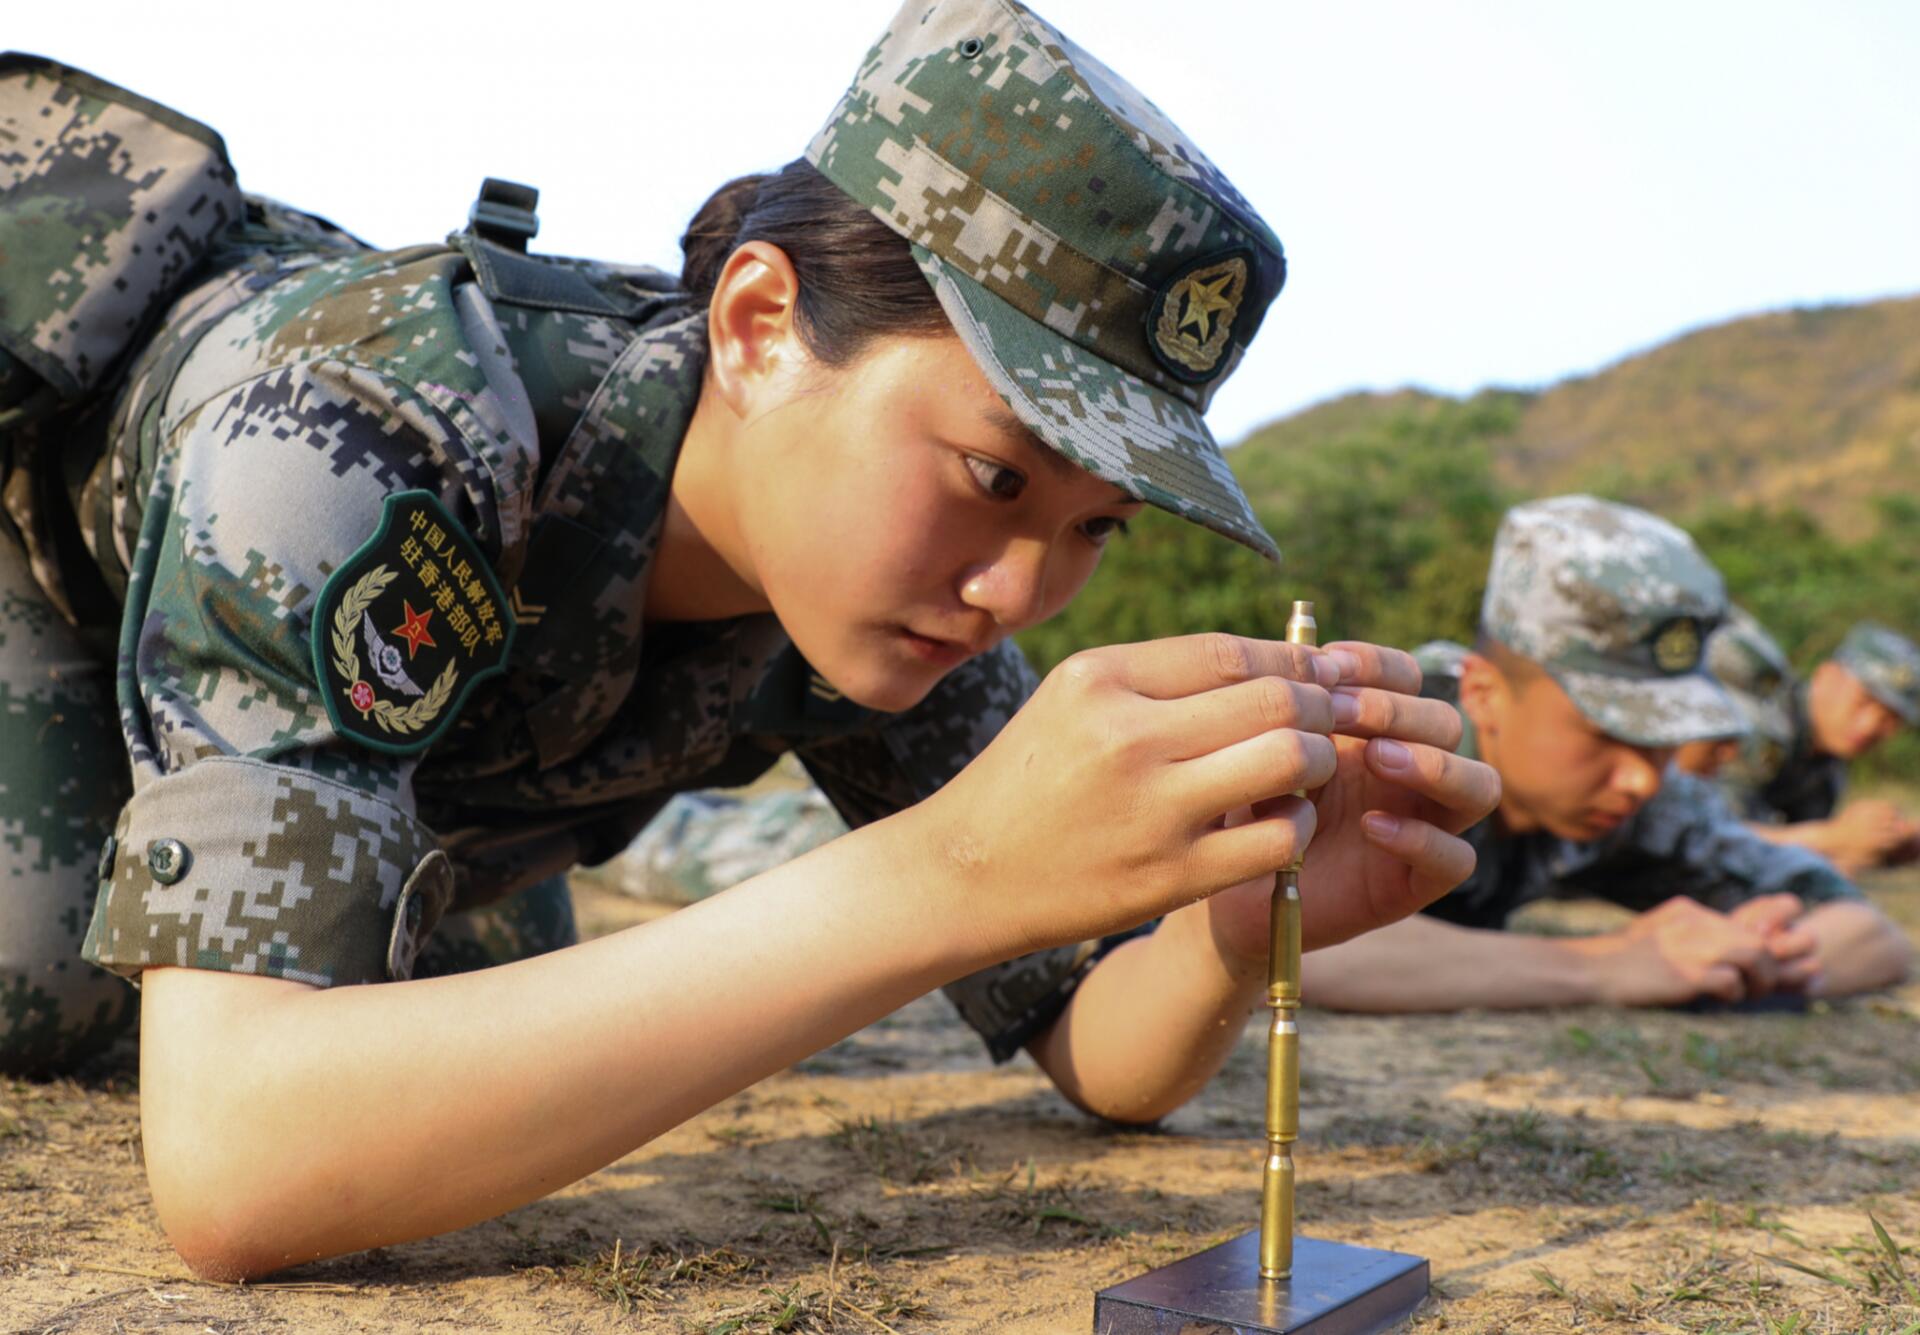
504	214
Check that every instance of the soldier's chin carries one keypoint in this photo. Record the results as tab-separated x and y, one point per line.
882	682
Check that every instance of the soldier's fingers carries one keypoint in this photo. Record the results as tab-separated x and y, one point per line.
1363	664
1792	943
1273	838
1362	712
1196	725
1267	765
1438	860
1768	913
1460	785
1188	664
1722	981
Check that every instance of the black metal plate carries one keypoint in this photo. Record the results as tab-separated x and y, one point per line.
1335	1290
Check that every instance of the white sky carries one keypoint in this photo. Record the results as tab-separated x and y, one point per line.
1469	193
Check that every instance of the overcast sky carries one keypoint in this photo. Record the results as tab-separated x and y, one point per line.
1469	193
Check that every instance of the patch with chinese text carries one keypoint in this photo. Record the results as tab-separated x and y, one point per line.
406	626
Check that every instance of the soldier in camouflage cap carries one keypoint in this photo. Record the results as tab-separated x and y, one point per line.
425	575
1887	664
1790	777
1616	604
1585	683
1103	273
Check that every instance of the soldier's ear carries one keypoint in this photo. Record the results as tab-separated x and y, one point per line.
753	338
1486	695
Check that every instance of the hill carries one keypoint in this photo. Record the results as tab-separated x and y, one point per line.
1817	407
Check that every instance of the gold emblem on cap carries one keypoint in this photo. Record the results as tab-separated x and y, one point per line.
1196	314
1677	649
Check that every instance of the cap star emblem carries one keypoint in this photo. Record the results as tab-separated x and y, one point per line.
1204	301
1677	649
414	630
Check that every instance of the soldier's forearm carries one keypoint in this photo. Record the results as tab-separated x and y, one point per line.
1424	964
1821	836
1153	1022
1860	948
284	1123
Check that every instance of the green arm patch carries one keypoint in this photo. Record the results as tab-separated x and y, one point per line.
406	626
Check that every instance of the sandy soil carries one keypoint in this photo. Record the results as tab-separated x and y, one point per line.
1578	1170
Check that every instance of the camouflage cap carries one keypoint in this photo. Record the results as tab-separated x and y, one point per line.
1753	667
1887	664
1616	604
1106	277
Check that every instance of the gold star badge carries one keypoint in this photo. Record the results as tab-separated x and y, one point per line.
1196	314
1677	647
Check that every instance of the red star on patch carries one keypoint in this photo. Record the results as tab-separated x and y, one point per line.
414	630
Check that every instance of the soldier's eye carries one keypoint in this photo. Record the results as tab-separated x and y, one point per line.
1106	526
997	480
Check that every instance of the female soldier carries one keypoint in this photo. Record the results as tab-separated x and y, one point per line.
443	567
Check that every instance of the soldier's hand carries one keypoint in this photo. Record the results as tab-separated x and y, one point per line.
1103	802
1683	950
1869	833
1792	948
1390	819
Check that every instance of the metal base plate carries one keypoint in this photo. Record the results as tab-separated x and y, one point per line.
1335	1290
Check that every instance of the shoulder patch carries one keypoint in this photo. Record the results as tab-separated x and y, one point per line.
406	626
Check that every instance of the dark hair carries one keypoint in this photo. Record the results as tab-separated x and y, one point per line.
858	279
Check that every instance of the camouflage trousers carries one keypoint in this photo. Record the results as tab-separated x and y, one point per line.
63	779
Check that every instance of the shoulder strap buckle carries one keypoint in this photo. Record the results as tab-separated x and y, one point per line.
504	214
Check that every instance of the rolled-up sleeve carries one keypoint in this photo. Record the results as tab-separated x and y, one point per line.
248	867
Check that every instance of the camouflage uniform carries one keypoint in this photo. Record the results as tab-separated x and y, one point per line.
1615	604
1781	776
316	449
702	843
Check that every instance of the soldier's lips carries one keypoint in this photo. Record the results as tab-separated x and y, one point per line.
927	648
1604	821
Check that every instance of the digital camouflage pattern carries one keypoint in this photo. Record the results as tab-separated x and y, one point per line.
107	203
1887	664
1784	785
1753	667
702	843
110	201
1792	780
245	453
1684	841
1616	604
61	785
1105	275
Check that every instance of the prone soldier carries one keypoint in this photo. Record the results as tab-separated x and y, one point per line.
1585	679
1787	776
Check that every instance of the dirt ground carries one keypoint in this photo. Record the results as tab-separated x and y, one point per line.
1582	1170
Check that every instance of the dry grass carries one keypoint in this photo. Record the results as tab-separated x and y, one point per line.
1584	1171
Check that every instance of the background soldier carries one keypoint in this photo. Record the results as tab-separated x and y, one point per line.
1586	678
1789	775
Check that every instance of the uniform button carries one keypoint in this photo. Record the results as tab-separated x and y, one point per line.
107	852
167	860
971	47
